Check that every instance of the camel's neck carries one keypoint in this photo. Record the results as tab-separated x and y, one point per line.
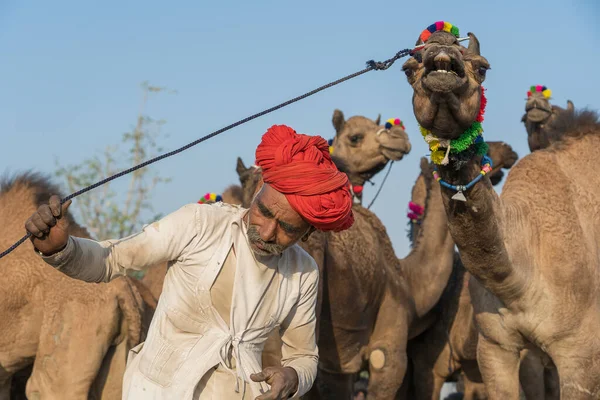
429	264
476	227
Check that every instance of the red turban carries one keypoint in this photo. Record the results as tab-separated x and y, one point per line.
300	167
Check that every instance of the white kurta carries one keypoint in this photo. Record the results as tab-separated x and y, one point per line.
190	349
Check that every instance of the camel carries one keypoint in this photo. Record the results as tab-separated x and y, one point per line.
539	114
74	335
449	345
532	251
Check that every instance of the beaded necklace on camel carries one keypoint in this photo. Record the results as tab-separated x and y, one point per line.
471	137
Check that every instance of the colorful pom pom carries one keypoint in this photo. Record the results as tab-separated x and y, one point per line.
412	216
357	189
330	150
219	198
392	122
439	26
213	196
547	93
414	207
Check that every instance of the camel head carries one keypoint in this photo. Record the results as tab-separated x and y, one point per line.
446	78
540	114
362	148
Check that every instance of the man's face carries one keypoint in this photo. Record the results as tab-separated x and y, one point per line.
273	225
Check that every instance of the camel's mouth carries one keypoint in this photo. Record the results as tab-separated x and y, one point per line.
444	70
537	113
393	144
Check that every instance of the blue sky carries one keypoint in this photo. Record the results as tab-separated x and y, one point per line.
71	74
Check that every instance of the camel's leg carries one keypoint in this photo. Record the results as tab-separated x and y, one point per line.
551	382
579	375
531	375
5	387
430	374
387	350
332	386
499	369
474	389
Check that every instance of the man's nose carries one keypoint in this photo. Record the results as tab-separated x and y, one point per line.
267	230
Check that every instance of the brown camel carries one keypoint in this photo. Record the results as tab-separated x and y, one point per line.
532	252
75	334
372	303
449	345
539	114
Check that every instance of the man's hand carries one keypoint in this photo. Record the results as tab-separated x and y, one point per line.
283	382
48	228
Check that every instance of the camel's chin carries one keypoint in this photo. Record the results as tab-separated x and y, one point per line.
394	154
443	81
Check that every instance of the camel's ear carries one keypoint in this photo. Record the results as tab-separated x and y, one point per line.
570	106
473	44
338	121
240	167
378	120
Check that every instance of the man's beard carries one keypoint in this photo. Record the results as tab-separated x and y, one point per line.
267	249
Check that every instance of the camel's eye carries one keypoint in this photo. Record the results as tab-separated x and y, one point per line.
356	138
482	71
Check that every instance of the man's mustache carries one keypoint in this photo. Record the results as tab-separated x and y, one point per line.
271	248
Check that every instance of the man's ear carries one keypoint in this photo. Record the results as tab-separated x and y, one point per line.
307	234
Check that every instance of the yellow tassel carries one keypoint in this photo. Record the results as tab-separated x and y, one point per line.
547	93
330	150
437	156
447	26
213	196
424	131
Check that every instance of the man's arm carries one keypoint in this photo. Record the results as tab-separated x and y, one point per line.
161	241
299	349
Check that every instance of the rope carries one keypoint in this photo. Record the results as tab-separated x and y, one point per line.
381	186
371	65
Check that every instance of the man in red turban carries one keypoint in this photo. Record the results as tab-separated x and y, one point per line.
235	276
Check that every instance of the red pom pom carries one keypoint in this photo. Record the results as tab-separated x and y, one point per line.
357	189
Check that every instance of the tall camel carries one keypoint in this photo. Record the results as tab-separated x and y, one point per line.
372	302
449	345
532	251
76	335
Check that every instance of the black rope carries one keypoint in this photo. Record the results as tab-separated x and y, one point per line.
381	186
371	65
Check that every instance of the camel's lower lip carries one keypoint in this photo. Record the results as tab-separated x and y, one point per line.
537	115
442	81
